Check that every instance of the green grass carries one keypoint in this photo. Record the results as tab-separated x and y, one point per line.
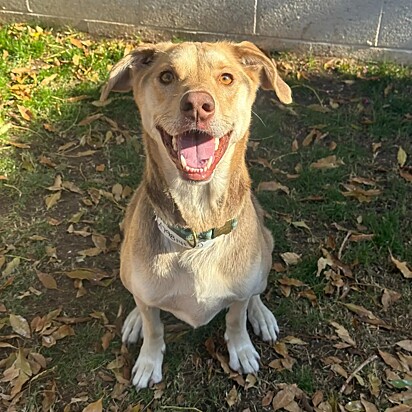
373	104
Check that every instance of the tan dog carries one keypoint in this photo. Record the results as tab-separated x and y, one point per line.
195	242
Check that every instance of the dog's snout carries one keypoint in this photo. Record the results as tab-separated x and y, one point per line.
197	106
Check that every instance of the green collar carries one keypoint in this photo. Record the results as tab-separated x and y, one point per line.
188	238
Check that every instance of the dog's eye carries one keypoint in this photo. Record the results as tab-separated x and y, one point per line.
226	79
166	77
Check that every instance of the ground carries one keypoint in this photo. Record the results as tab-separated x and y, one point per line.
331	171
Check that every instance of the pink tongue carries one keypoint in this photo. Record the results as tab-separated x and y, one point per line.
196	148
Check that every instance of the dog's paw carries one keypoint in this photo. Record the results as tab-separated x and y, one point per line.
262	320
132	327
242	354
148	368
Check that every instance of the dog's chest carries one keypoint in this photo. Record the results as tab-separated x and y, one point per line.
197	289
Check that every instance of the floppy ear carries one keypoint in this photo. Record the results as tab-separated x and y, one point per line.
252	57
121	75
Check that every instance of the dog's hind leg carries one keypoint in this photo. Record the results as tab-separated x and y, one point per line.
262	320
148	368
132	327
242	354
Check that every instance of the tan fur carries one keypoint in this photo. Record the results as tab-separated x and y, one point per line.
195	284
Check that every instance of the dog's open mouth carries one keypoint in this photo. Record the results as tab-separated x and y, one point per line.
195	152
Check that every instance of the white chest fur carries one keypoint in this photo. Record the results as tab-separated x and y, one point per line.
195	285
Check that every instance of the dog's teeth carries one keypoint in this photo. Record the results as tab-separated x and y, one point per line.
216	143
183	161
174	143
209	163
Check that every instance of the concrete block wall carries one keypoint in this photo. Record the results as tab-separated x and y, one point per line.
368	29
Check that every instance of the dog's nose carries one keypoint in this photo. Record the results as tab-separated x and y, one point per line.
197	106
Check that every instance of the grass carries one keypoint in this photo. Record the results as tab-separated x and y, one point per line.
361	111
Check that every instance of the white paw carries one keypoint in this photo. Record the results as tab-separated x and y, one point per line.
242	354
148	368
132	327
262	320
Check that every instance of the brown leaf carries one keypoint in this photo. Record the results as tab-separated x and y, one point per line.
375	384
20	325
339	370
290	282
232	397
369	407
51	200
402	266
100	242
95	406
47	280
26	114
389	297
291	258
63	331
406	173
107	338
317	398
12	266
364	196
117	190
343	333
399	408
405	344
359	237
283	398
86	274
272	186
329	162
267	399
309	294
390	360
93	251
354	406
366	315
319	108
72	187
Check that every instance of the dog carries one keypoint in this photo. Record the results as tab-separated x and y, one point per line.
194	237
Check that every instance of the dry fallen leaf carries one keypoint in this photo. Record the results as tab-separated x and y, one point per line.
232	397
283	398
401	157
11	266
405	344
47	280
52	199
391	360
329	162
272	187
343	333
402	266
389	297
291	258
368	406
367	316
94	407
20	325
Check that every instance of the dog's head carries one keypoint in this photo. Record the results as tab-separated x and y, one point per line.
195	99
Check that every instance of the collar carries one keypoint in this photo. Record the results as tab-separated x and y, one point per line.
188	238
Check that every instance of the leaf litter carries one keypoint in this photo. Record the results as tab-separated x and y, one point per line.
339	273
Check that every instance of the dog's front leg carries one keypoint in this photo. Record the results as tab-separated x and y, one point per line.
148	367
242	354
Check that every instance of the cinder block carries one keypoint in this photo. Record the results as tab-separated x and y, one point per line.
396	25
200	15
329	21
120	11
13	5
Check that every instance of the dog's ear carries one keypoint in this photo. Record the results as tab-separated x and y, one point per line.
121	75
253	57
